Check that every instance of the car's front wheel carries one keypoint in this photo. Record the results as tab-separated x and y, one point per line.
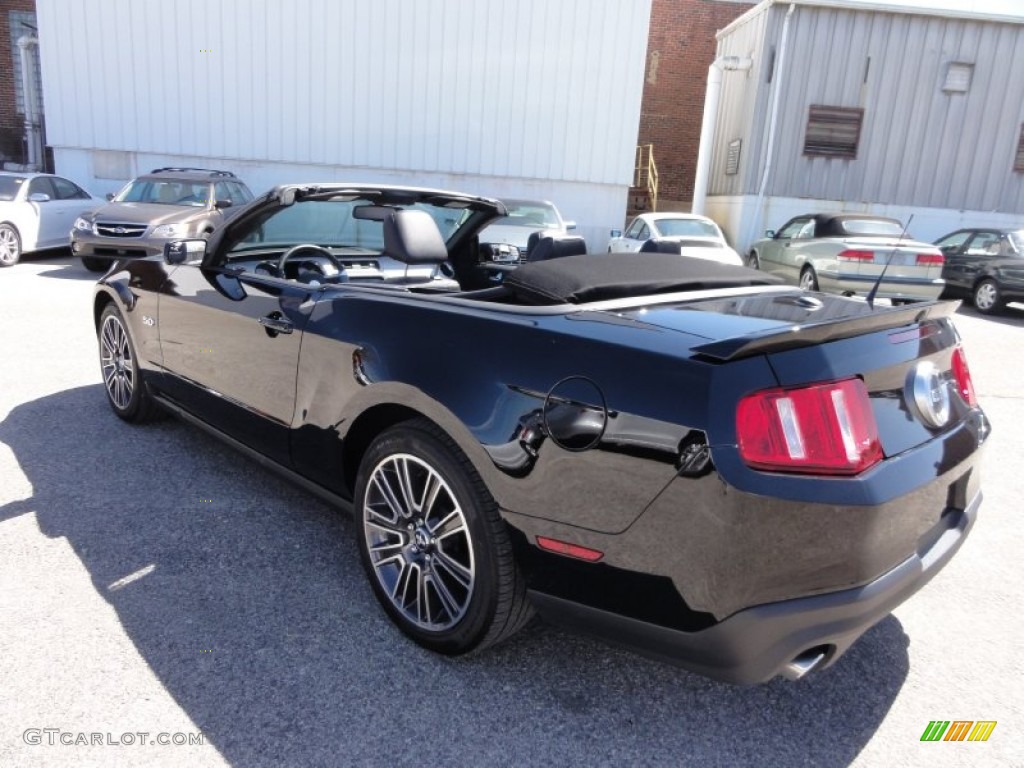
95	265
752	261
434	547
987	297
10	245
122	378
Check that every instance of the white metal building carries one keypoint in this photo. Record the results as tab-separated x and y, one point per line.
878	106
527	99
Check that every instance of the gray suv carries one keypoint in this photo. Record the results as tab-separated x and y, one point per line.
165	204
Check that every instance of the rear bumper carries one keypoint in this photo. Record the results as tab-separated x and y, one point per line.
756	644
891	287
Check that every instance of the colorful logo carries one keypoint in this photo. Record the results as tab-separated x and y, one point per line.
958	730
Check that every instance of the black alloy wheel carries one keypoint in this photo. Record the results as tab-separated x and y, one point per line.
433	545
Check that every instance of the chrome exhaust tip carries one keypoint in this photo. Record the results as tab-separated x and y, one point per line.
804	663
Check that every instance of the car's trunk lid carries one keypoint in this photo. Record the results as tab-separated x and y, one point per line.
809	339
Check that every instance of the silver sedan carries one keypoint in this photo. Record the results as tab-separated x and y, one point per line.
847	253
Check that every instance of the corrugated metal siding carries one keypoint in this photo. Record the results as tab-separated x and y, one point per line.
919	146
532	89
743	106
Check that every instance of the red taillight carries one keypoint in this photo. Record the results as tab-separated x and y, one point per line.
930	259
849	255
962	375
825	428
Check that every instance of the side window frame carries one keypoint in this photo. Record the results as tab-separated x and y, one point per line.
41	181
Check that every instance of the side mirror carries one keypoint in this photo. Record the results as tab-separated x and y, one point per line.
223	204
570	225
39	197
184	251
615	233
769	233
109	196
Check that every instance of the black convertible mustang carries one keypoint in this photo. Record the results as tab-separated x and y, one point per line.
679	456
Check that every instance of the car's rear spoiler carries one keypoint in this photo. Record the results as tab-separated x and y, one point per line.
808	334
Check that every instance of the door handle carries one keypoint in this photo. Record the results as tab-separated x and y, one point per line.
275	323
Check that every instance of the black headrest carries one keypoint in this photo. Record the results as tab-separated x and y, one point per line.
412	237
549	244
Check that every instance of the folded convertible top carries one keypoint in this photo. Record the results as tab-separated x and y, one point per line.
599	277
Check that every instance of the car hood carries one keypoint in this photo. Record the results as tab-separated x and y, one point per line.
145	213
510	234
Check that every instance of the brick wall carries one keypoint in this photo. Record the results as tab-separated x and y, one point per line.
11	124
680	47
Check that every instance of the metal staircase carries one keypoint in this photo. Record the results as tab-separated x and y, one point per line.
643	195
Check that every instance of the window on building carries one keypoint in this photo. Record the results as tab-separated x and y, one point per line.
833	131
1018	164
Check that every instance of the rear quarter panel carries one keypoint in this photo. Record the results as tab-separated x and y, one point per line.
484	374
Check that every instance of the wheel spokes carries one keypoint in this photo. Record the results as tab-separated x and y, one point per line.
418	542
116	364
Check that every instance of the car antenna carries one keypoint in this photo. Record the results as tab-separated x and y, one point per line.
878	282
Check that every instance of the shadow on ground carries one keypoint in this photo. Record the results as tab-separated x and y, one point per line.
256	617
1012	315
64	265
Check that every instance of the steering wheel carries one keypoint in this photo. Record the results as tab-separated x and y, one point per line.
312	247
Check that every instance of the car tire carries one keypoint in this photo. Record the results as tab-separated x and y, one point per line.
808	280
94	264
119	367
441	568
752	261
10	245
987	297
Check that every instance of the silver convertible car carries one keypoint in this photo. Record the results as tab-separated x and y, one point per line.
846	253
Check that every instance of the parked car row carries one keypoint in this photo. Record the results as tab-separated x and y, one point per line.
39	210
851	254
857	254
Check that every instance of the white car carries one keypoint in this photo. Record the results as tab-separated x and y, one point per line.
37	211
524	218
697	236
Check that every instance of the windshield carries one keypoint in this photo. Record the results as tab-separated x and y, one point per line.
190	193
331	223
9	186
883	227
687	228
528	213
1017	241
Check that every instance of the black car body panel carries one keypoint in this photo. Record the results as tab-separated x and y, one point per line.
610	424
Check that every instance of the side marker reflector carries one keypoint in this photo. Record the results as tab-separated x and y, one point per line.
569	550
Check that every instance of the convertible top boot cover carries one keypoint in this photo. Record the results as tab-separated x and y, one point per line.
581	279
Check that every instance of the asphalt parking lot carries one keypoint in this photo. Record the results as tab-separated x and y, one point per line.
154	581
